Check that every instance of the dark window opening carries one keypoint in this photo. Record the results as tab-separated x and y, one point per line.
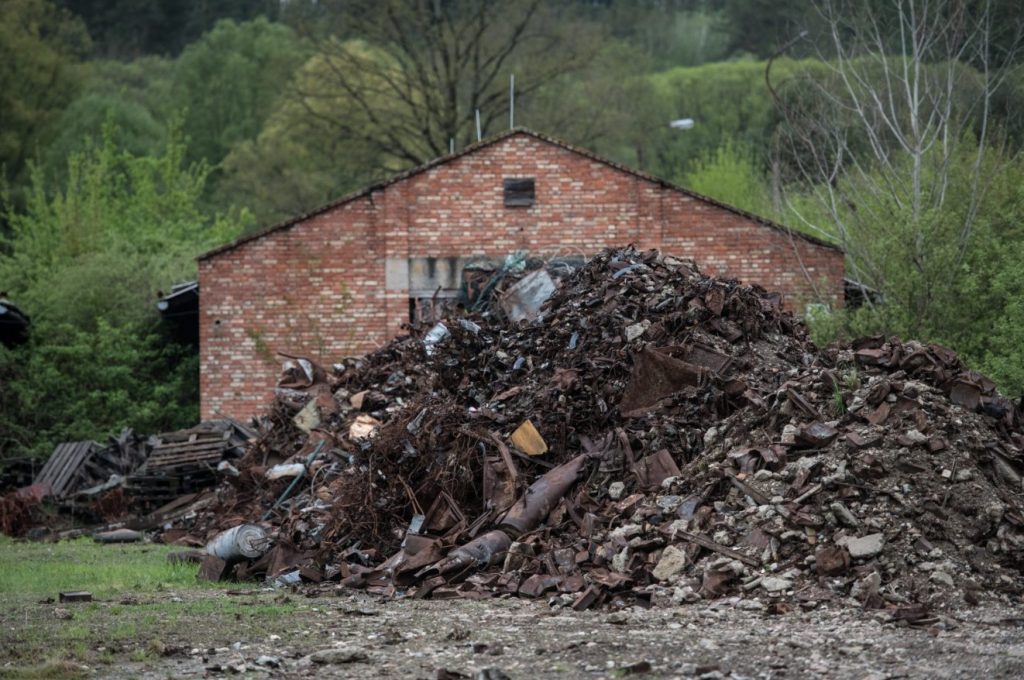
429	310
519	192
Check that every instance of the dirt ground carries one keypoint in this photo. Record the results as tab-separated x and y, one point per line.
264	633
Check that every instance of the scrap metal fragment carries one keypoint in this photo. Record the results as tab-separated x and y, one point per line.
482	551
705	542
242	541
522	302
966	393
817	435
656	468
657	376
527	439
213	568
119	536
541	497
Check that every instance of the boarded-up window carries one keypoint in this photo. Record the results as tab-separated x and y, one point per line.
518	192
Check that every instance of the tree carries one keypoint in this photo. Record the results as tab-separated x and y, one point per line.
892	141
732	174
407	76
760	27
229	81
88	260
295	164
40	48
131	100
128	29
121	227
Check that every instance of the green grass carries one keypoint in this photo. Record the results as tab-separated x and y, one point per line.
46	569
48	670
143	605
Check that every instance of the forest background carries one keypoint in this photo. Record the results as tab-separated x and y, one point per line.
135	134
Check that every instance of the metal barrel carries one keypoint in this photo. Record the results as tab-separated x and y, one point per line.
243	541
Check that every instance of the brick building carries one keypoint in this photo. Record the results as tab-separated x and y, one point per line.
342	279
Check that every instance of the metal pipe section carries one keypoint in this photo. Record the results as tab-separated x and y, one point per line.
482	551
542	496
243	541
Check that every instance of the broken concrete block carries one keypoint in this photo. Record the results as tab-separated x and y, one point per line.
774	584
866	546
673	561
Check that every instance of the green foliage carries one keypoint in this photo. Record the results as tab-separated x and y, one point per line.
729	103
126	29
941	285
73	383
732	174
122	227
229	81
39	51
670	33
296	163
761	27
130	99
88	261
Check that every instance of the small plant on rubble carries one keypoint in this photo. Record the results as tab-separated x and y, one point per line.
838	400
851	379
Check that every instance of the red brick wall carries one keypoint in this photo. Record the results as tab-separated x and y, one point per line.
317	288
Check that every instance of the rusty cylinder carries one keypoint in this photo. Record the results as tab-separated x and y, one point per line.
542	496
482	551
243	541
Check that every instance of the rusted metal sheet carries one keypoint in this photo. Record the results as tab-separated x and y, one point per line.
522	302
657	376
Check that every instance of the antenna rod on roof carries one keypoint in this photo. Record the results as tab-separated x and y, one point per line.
512	101
479	136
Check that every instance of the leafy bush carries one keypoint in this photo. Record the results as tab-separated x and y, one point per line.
86	263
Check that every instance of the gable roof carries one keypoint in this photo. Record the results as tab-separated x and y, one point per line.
472	148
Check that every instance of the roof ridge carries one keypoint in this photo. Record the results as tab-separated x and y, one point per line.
488	141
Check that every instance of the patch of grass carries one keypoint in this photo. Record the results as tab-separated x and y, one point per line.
838	401
46	569
50	670
138	595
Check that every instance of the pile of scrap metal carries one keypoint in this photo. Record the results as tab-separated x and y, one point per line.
650	434
145	479
80	472
74	476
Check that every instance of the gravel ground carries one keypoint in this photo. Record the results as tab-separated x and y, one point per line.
354	635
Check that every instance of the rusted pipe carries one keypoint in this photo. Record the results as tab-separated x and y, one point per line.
482	551
542	496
